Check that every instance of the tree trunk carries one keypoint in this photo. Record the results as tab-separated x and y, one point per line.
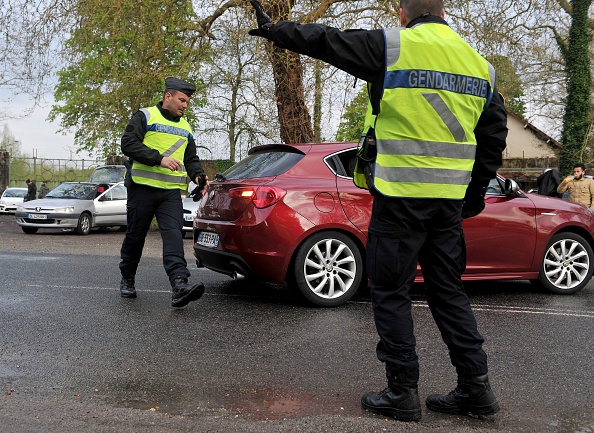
578	109
233	122
293	115
317	122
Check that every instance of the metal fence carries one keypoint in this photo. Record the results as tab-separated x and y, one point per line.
15	171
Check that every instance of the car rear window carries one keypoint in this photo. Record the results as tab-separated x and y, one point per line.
263	164
108	173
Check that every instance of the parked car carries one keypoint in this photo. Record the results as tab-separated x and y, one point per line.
77	205
108	174
11	198
292	213
190	208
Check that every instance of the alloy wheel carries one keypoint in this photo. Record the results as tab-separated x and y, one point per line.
566	264
328	269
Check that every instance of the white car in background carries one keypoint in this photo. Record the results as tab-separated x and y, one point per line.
11	198
75	205
190	207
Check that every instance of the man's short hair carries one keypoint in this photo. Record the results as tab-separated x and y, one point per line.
580	165
415	8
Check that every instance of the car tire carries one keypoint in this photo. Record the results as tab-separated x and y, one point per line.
567	264
30	230
84	224
328	269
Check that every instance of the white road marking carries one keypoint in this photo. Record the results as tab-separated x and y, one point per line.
422	304
523	310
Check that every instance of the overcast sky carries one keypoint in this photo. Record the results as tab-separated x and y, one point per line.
37	134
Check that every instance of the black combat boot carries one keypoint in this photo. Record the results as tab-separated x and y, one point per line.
399	401
184	293
127	289
472	396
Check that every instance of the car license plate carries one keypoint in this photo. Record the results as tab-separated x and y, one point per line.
189	217
208	239
35	216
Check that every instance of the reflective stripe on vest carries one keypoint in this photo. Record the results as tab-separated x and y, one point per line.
163	136
429	109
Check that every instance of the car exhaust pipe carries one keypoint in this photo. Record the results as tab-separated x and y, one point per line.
237	276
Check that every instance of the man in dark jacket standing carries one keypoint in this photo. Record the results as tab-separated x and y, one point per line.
43	190
440	128
162	152
31	190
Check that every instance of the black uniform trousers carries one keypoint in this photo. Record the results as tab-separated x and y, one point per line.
402	233
144	202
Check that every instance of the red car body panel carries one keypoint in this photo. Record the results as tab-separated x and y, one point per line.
506	241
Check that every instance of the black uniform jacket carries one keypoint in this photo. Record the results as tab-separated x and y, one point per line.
361	53
133	147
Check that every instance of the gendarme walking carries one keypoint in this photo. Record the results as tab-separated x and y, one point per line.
162	153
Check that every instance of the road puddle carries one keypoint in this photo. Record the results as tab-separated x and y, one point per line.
274	403
263	403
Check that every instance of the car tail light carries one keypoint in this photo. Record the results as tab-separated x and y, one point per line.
262	196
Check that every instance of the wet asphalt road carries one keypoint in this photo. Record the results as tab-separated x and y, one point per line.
251	357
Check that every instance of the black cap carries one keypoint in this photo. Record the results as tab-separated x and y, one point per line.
181	85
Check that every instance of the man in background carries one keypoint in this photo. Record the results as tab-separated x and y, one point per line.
43	190
31	190
581	188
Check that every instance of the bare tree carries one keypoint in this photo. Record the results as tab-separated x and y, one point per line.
295	124
532	35
240	97
30	39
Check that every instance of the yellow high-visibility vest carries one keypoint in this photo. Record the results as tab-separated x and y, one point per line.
170	139
436	88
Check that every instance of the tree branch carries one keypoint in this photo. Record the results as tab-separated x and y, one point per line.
207	22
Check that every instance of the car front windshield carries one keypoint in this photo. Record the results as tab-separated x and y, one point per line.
15	193
80	191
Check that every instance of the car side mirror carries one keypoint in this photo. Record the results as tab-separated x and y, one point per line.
510	187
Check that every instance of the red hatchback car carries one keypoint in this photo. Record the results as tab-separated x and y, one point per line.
292	213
